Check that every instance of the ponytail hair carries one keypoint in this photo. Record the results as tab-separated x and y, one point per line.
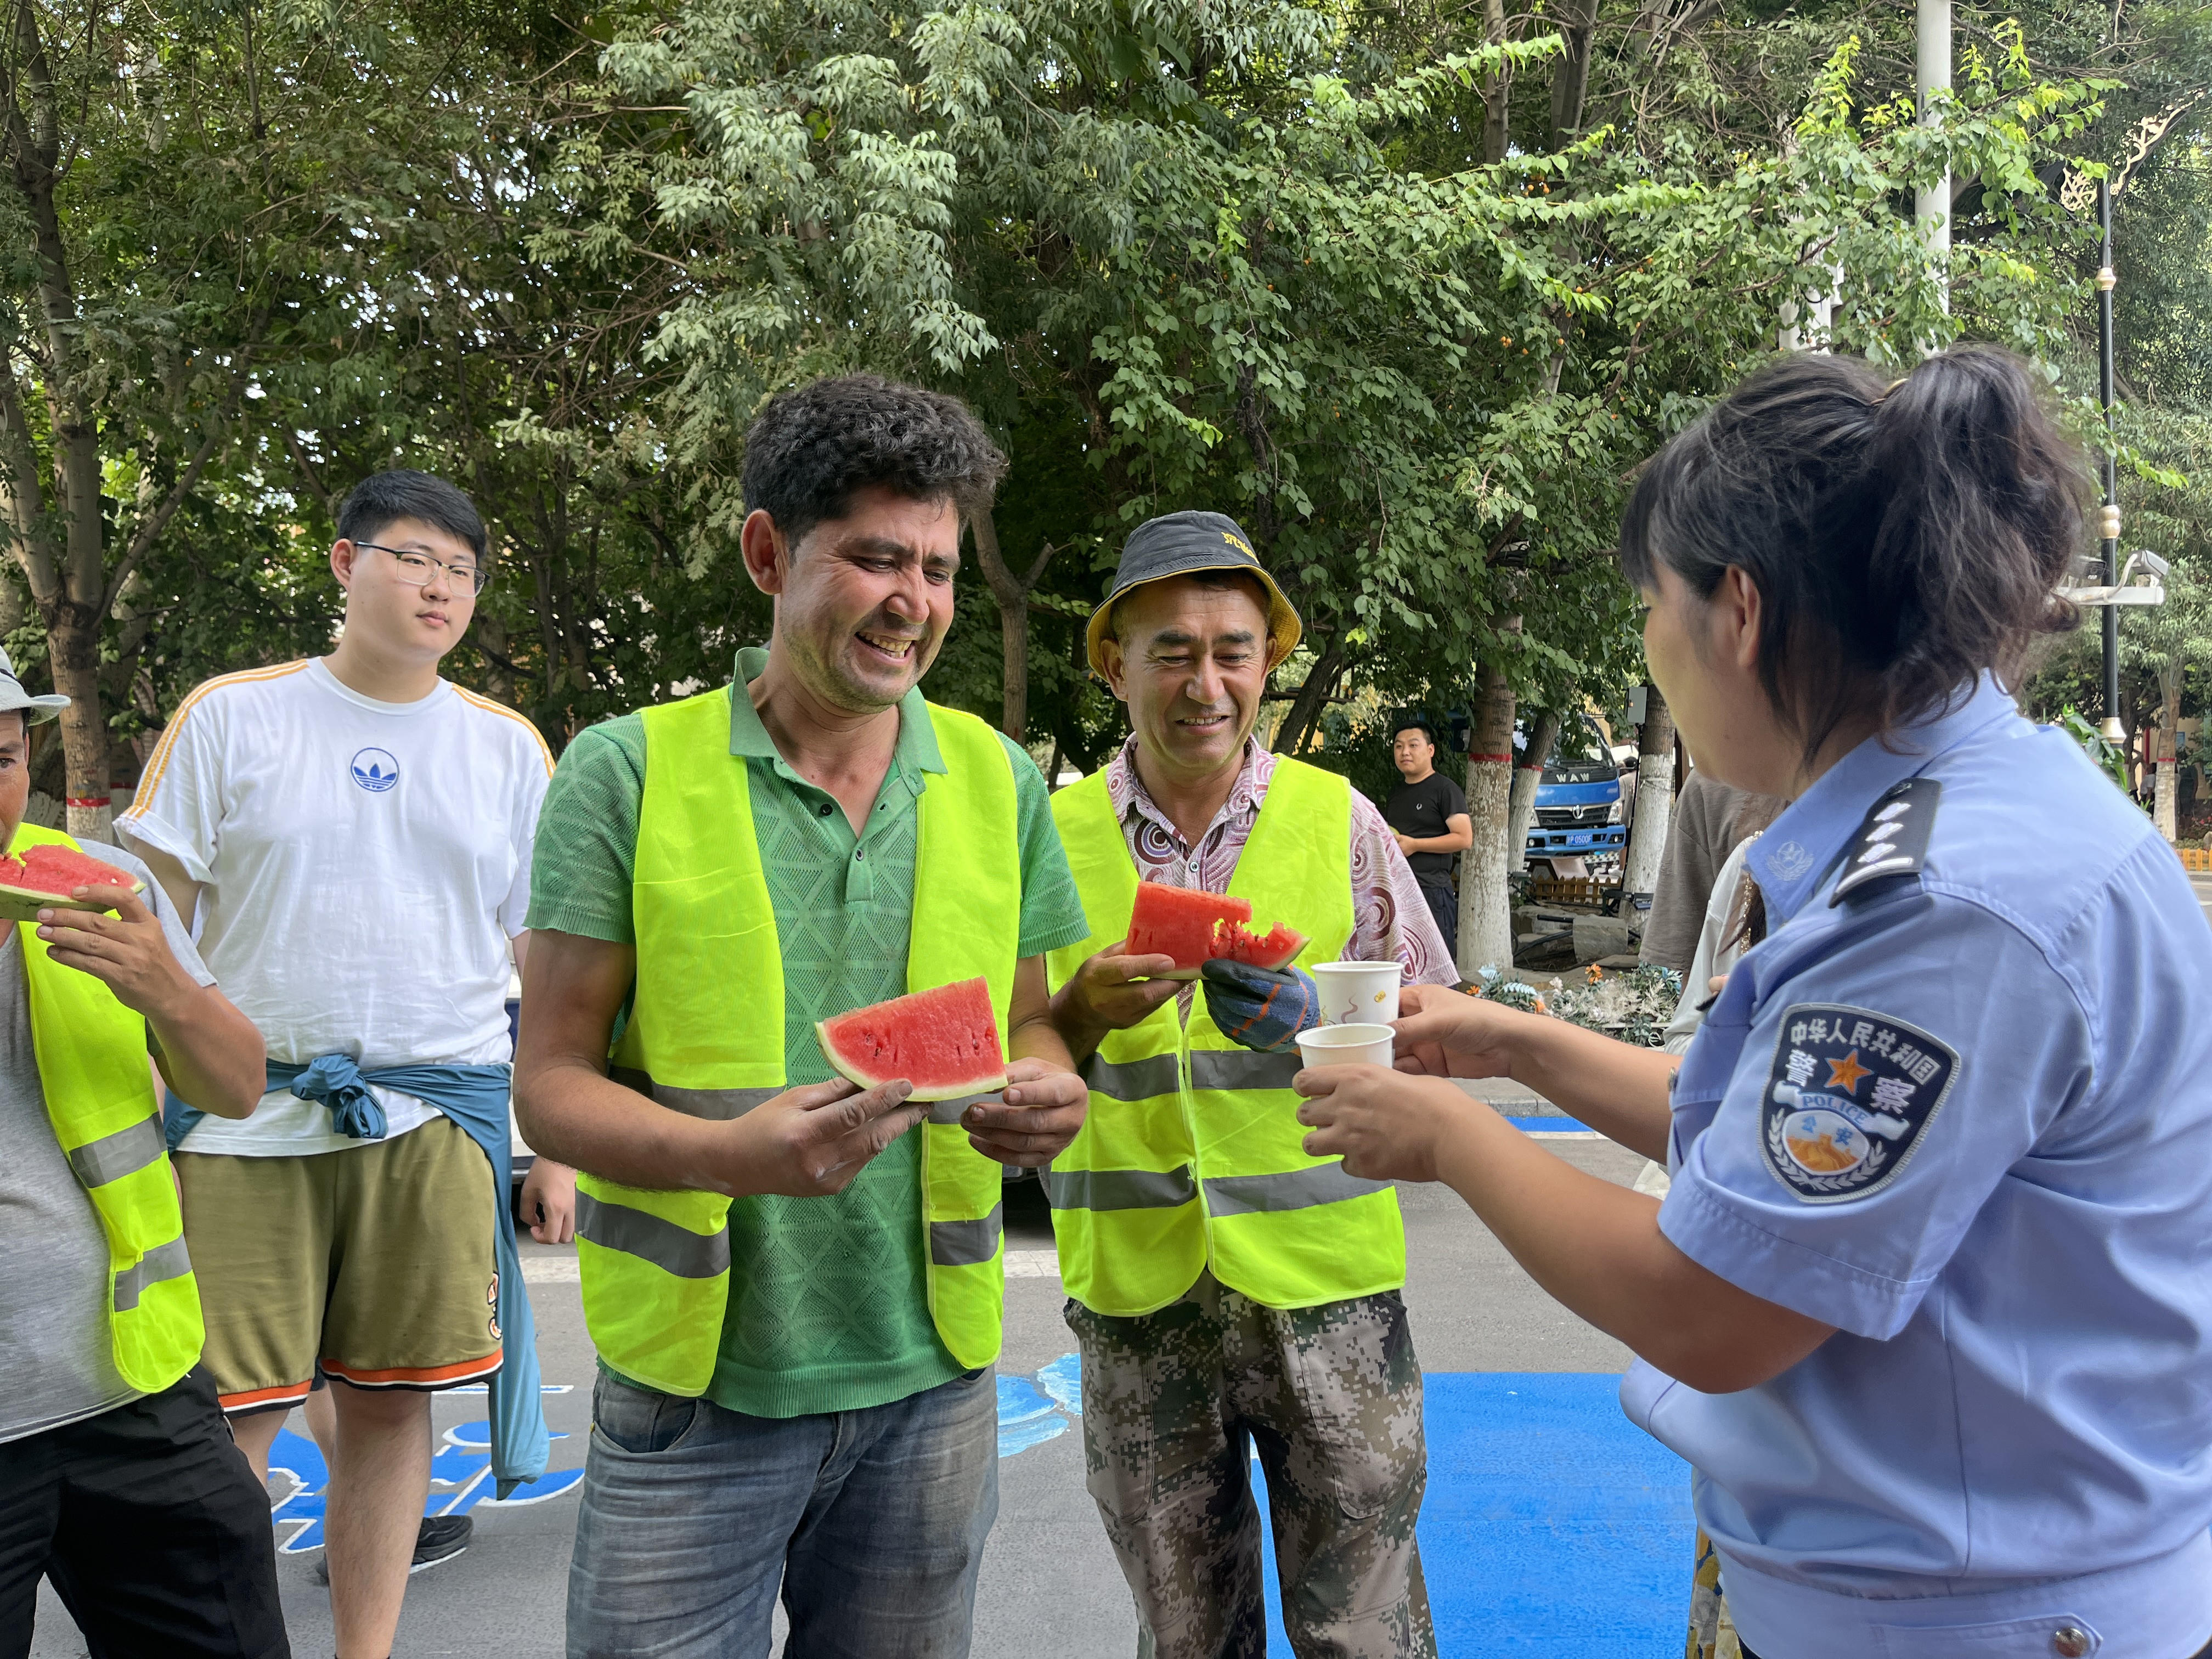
1904	536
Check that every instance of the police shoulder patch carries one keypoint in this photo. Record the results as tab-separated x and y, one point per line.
1847	1097
1891	840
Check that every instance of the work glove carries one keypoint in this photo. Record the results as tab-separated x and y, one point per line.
1261	1008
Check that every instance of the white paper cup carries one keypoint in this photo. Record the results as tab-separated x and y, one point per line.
1346	1045
1353	992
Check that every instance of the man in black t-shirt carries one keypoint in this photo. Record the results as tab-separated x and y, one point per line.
1429	814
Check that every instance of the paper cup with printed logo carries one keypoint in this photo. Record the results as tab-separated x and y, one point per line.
1357	993
1347	1045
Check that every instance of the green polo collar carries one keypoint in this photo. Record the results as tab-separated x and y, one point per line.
916	750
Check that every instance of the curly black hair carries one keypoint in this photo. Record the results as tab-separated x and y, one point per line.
812	448
1904	535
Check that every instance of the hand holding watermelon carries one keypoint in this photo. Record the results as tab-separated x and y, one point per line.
1111	992
108	933
1043	1109
810	1141
1263	1010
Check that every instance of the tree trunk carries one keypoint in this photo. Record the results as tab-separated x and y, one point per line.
1012	594
2164	812
1486	912
1577	20
73	620
1654	796
494	646
1306	708
1521	812
1495	92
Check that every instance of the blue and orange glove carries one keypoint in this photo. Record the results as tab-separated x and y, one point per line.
1259	1008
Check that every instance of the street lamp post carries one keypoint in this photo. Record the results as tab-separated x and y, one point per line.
2108	526
1931	208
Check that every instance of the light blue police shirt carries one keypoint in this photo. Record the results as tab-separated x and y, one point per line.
1967	1119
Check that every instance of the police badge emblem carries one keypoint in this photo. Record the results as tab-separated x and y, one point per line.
1850	1094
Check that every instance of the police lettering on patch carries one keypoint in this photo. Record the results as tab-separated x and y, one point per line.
1851	1093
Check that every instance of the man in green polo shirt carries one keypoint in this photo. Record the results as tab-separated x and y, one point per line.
794	1284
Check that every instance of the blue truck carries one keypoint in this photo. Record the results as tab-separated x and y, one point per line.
1582	811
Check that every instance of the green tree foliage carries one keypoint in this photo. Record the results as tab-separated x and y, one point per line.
1410	289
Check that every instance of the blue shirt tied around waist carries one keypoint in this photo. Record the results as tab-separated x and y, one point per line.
474	1096
1966	1117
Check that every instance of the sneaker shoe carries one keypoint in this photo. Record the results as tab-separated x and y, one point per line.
440	1538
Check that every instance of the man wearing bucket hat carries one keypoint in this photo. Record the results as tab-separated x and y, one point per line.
122	1483
1225	1288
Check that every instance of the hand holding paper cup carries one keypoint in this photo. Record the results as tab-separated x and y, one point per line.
1346	1045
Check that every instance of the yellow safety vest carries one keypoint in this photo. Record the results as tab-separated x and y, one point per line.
91	1052
706	1035
1190	1156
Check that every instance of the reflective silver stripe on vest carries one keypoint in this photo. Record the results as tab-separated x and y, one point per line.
1294	1189
671	1248
1132	1079
949	1111
163	1261
966	1244
1240	1068
716	1105
1118	1189
111	1158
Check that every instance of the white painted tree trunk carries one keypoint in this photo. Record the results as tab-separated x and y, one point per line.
1521	810
1485	916
1655	795
2166	801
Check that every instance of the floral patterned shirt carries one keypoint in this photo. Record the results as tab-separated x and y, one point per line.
1389	918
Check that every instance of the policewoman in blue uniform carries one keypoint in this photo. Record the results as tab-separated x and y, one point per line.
1927	1306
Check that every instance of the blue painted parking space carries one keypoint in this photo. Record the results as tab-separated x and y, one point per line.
1553	1525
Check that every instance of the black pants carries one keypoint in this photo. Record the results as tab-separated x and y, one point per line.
1443	905
149	1522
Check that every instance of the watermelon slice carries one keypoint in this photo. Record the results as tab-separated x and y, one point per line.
1194	927
45	875
943	1042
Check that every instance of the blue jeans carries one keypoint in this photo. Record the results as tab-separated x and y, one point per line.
872	1522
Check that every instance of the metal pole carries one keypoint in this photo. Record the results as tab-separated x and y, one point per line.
2108	525
1931	207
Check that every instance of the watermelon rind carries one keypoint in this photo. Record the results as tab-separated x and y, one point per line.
843	1036
24	904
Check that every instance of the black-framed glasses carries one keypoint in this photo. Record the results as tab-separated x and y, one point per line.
416	568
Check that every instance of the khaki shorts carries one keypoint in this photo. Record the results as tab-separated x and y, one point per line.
374	1263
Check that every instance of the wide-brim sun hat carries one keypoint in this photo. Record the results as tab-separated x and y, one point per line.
13	695
1182	545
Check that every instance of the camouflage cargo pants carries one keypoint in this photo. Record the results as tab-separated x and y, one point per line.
1173	1403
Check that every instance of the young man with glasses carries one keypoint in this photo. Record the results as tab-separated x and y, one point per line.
353	833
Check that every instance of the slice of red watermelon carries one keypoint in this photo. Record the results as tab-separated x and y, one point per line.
45	876
943	1042
1194	927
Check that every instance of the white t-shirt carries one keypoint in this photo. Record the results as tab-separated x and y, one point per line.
363	866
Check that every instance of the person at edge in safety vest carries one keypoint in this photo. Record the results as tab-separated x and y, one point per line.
1928	1304
1224	1287
796	1288
118	1481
